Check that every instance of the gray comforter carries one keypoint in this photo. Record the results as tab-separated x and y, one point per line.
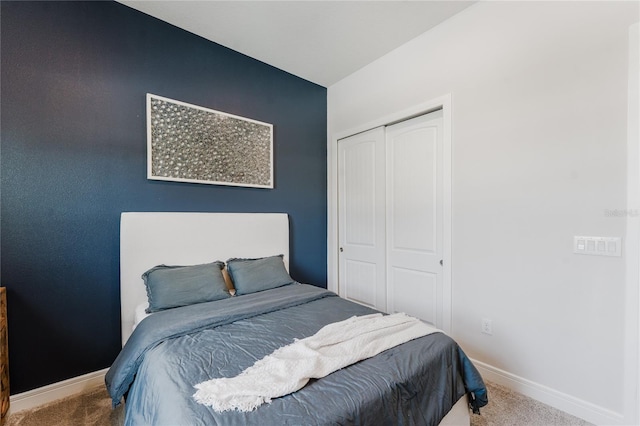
169	352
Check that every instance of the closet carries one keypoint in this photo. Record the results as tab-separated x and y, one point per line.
390	217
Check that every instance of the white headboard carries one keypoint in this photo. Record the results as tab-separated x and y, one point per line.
150	239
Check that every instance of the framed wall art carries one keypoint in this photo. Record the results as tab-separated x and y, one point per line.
189	143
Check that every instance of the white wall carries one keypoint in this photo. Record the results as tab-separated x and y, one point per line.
632	244
539	139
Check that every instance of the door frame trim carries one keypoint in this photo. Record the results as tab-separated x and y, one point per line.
442	102
631	250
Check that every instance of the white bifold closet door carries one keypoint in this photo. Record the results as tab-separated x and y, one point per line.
361	218
391	217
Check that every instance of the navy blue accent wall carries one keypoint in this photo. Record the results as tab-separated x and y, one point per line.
73	157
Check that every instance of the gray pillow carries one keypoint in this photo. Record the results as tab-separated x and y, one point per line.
174	286
253	275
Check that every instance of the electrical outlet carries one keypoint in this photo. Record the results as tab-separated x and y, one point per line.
487	326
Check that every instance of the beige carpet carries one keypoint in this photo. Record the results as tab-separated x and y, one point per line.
90	408
93	408
508	408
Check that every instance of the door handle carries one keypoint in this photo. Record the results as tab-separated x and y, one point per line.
441	263
341	249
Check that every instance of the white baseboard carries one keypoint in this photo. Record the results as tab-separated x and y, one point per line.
55	391
562	401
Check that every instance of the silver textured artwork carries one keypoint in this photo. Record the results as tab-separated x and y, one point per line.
188	143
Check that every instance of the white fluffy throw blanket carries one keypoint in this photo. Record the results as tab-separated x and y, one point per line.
289	368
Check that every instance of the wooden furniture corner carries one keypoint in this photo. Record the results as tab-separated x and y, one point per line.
4	358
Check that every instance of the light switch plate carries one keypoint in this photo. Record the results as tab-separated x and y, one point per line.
598	246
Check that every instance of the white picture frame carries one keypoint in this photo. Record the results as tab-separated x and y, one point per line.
194	144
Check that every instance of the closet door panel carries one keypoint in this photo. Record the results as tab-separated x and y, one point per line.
422	289
361	213
413	190
414	217
361	278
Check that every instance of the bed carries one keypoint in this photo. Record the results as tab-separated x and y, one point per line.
425	381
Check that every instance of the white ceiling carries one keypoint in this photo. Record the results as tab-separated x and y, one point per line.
320	41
